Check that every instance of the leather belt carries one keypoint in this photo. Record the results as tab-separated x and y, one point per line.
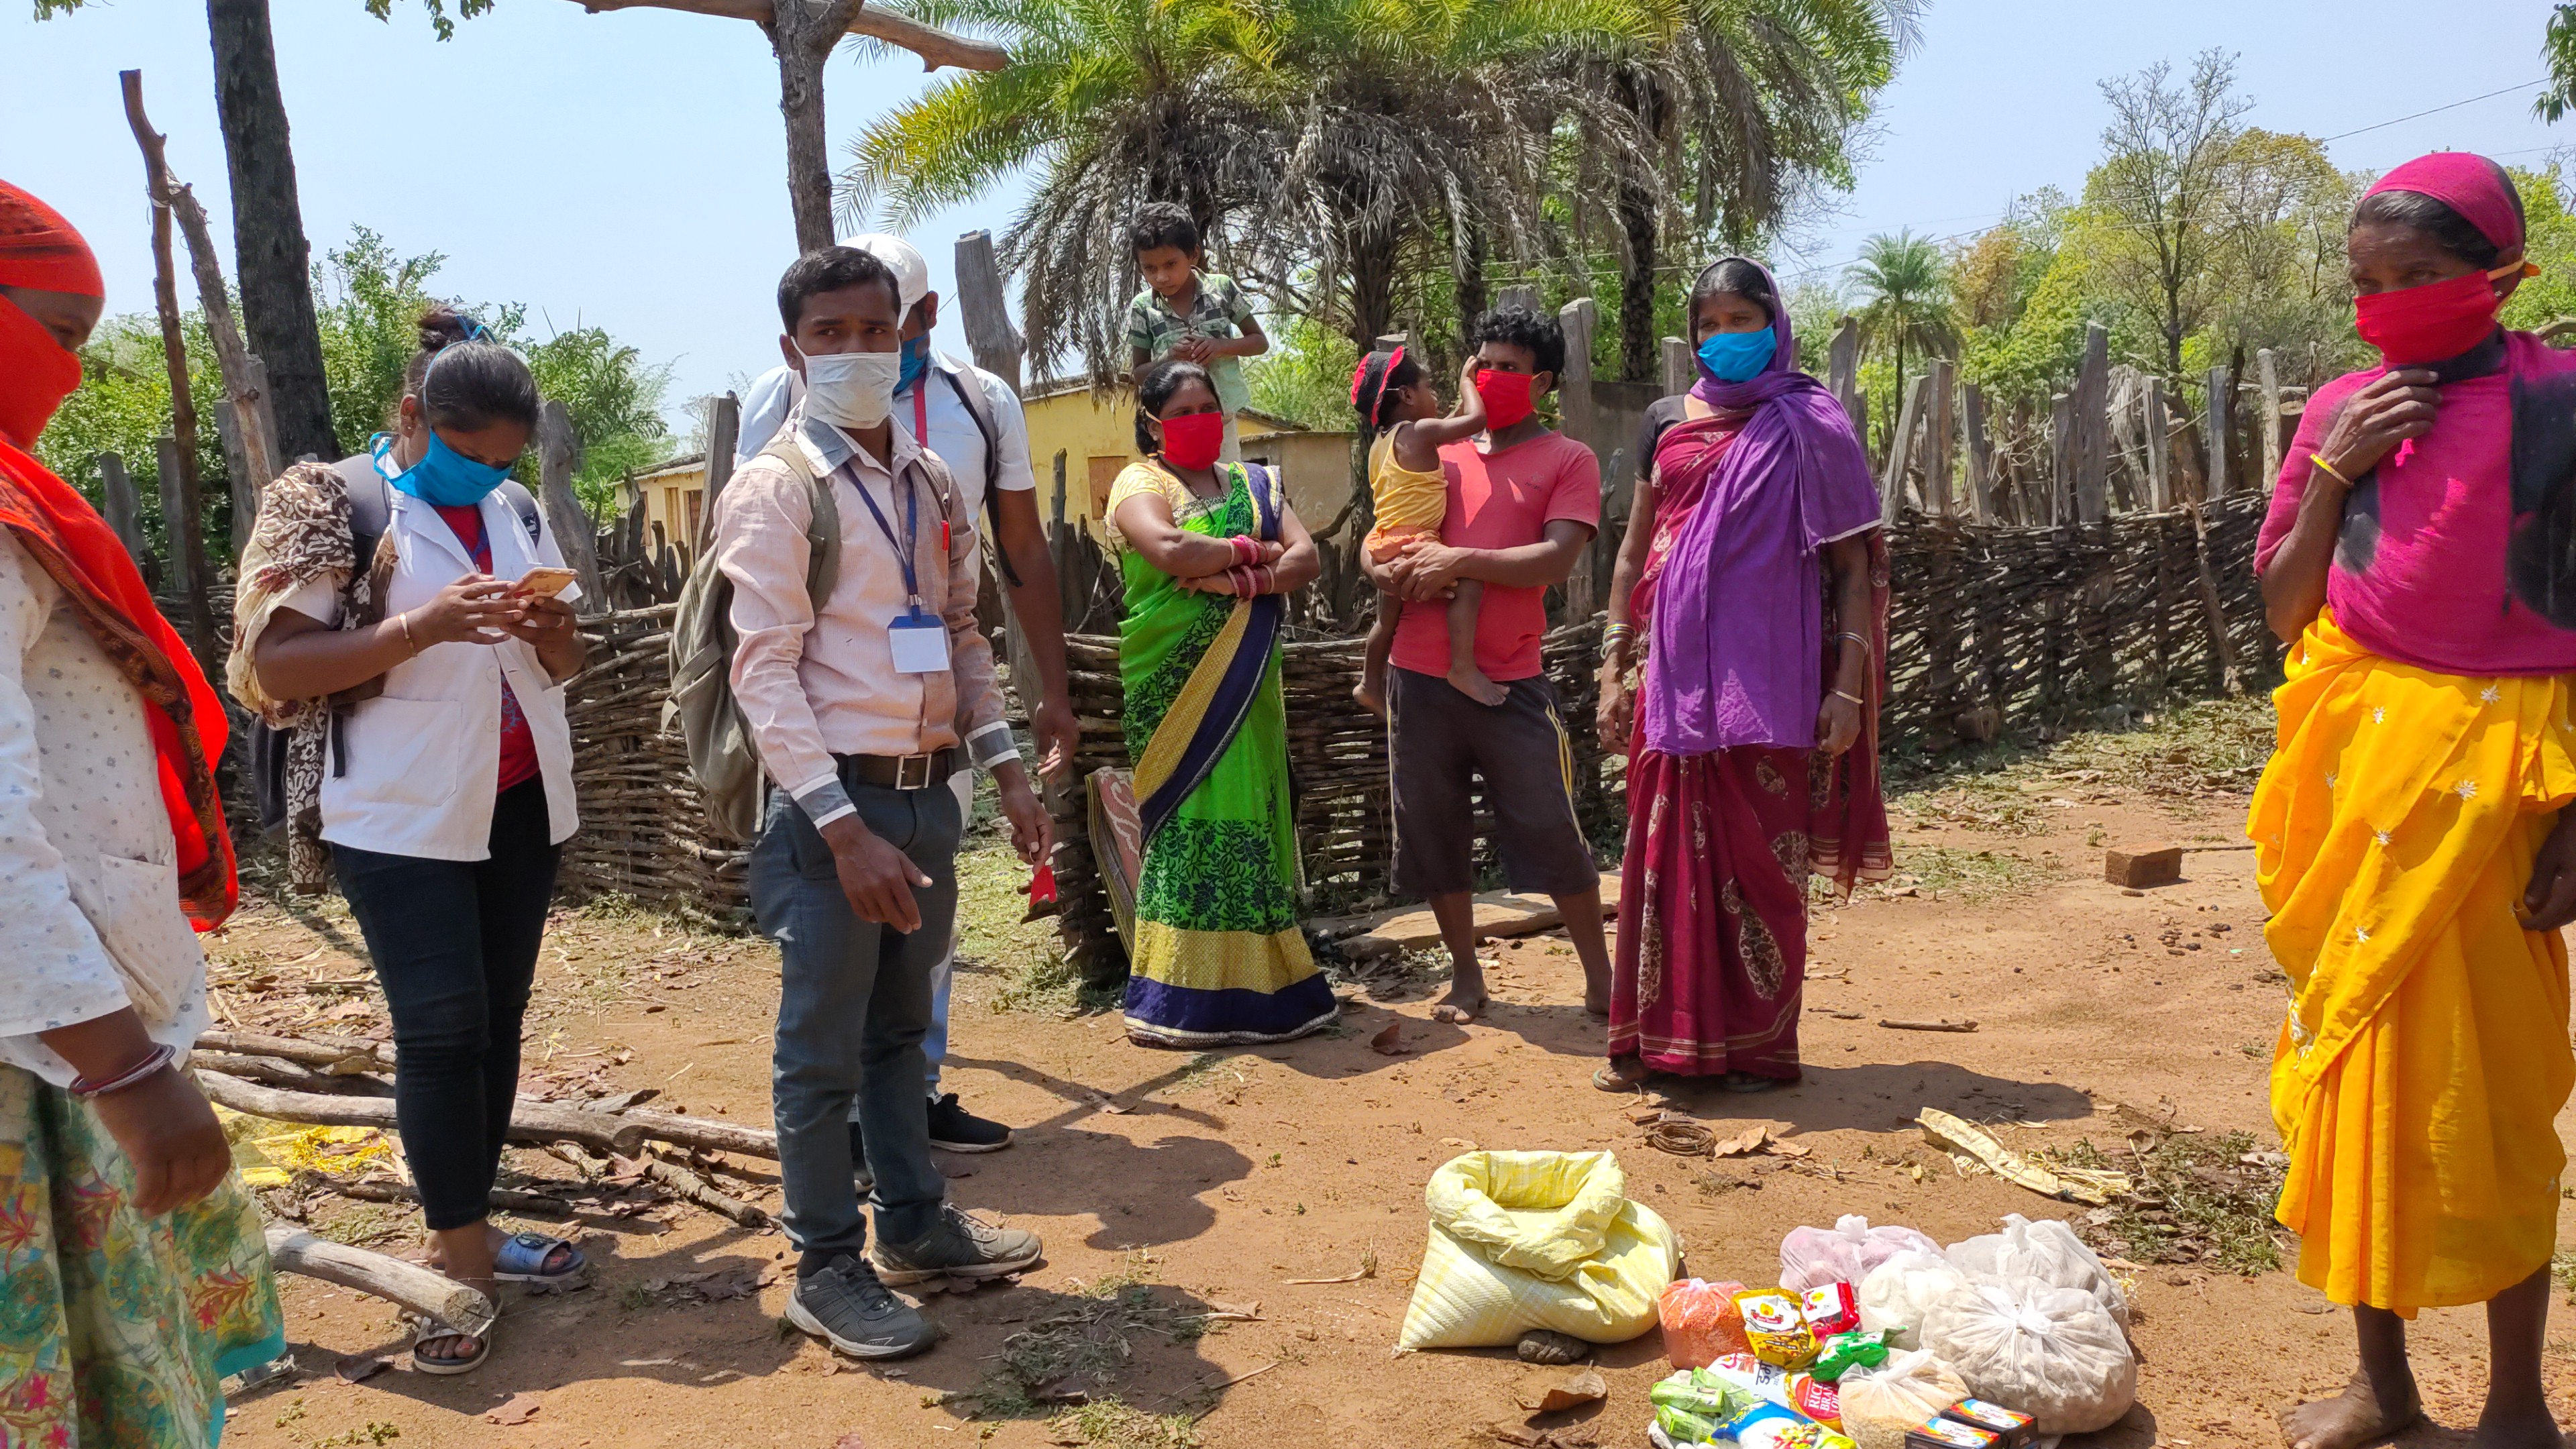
905	772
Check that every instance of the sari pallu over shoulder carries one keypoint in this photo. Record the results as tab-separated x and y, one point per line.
1211	706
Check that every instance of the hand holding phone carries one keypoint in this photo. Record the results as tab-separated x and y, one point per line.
545	582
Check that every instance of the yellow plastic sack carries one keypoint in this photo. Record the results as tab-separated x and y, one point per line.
1523	1240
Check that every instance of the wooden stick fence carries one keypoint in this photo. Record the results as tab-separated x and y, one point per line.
1988	625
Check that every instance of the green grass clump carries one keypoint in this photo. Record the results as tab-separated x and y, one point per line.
2195	1198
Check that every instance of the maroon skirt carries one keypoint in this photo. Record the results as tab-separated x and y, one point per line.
1713	912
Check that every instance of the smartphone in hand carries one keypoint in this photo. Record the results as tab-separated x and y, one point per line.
545	582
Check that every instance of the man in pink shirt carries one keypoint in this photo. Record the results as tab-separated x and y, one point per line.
1524	500
863	697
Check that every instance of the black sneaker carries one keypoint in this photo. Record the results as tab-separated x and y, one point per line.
864	1180
958	1247
846	1306
954	1129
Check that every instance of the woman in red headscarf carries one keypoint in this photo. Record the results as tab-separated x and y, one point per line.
2411	833
133	1271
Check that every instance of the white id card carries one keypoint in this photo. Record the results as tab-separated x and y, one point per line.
920	644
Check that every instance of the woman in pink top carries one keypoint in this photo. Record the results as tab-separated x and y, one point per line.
2410	834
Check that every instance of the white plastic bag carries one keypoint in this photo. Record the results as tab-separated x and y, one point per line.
2056	1354
1843	1253
1898	1293
2047	1252
1880	1405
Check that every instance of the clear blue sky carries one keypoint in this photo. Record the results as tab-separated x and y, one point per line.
627	169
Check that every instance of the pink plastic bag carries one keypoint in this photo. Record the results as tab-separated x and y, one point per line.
1844	1253
1701	1324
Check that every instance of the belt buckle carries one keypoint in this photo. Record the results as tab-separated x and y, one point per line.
912	772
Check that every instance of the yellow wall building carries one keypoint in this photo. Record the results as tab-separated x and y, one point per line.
674	498
1097	435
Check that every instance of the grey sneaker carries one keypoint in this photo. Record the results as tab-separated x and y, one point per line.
959	1247
847	1307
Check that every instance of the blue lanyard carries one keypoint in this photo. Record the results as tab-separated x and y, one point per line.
911	530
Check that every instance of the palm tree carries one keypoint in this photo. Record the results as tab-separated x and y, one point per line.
1907	284
1746	101
1327	147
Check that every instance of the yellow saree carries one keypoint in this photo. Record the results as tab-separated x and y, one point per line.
2425	1057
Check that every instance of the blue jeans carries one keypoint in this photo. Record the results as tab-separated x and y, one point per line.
854	1005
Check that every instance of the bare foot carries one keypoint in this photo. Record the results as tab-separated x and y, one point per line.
1596	1002
2526	1426
1461	1005
1371	694
1624	1074
1470	681
2350	1419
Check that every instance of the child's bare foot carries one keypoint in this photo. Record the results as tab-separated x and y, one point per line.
1371	693
2353	1418
1470	681
1466	998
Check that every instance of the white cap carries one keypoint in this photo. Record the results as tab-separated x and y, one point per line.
911	273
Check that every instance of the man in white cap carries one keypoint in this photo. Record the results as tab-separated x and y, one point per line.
972	421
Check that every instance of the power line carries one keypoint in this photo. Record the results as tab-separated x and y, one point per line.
2419	115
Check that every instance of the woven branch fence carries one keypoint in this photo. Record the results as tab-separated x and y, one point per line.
1987	625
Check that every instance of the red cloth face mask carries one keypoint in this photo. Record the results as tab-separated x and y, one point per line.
1507	398
38	375
1193	440
2431	323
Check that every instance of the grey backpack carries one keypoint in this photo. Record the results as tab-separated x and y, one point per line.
721	757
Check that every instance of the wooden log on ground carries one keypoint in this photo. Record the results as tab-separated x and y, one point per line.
703	1193
339	1055
405	1285
529	1121
277	1072
701	1134
508	1199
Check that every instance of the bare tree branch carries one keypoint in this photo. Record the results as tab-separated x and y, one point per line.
935	46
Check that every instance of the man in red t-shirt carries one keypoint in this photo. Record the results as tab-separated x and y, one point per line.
1524	500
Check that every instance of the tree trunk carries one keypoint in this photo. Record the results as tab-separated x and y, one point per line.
1474	294
270	255
803	32
185	526
1638	220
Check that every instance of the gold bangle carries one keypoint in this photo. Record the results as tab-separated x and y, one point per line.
404	619
1854	698
2329	469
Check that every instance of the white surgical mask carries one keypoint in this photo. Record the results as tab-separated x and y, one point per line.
851	389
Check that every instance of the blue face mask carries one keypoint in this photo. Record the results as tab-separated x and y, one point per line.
443	478
1738	356
916	361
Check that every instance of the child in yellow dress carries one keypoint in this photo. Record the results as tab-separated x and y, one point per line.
1399	409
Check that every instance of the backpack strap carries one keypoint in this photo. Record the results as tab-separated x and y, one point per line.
823	521
979	407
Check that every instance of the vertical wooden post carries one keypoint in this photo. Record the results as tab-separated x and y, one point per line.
182	566
2160	497
997	345
1842	371
1938	428
2219	427
570	523
1981	454
1679	374
2092	430
1062	539
178	453
2268	369
1523	296
2061	456
724	436
124	506
1581	413
1891	488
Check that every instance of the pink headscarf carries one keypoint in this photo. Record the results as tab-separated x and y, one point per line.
2469	184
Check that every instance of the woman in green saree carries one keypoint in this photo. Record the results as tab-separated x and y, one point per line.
1208	550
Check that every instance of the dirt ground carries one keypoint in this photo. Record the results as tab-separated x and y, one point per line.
1178	1194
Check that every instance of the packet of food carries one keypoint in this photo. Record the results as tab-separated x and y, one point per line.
1694	1405
1844	1352
1776	1327
1951	1434
2015	1427
1769	1426
1830	1308
1772	1384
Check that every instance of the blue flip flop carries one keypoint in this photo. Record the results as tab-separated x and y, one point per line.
522	1259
